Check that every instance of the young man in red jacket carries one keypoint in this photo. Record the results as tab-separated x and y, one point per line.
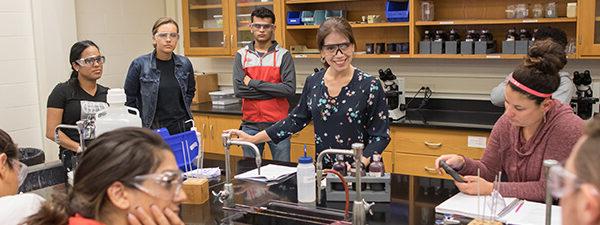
264	77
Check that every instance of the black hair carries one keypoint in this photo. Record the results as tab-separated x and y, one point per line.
8	147
262	12
556	34
539	70
75	54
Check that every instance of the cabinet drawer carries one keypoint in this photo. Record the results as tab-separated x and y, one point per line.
297	151
435	142
417	165
305	136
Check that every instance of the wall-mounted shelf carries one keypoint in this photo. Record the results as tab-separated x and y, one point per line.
214	6
254	4
495	21
368	25
316	1
200	30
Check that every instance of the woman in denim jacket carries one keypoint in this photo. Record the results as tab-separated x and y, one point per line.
161	84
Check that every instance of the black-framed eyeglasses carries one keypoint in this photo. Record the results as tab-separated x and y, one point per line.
258	26
334	48
89	61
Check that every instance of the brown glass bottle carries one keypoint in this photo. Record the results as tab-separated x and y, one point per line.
376	170
340	166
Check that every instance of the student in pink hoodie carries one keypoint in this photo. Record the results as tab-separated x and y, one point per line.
534	128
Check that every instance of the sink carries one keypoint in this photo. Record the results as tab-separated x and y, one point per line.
279	212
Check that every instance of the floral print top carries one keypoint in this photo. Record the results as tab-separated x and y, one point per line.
359	114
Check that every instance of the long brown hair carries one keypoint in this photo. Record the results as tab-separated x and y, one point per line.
334	25
539	70
118	155
587	157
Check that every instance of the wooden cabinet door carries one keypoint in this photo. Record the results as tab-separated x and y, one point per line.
240	34
589	28
206	27
221	123
202	124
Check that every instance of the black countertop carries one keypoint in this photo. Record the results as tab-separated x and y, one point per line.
429	193
444	113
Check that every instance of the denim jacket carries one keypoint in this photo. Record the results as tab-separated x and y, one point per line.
142	82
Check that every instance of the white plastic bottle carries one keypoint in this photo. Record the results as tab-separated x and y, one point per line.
117	114
306	179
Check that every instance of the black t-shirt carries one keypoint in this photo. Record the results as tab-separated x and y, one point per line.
170	107
76	104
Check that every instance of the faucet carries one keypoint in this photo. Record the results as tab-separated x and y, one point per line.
360	206
80	127
226	195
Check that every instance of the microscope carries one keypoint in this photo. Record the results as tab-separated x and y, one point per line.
584	100
394	93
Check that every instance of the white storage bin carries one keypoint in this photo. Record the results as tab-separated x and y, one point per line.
225	97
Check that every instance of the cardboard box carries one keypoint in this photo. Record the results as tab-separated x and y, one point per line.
205	83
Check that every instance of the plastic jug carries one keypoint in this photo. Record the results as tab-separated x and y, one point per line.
306	179
117	114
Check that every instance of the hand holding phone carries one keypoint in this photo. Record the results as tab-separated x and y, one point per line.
457	177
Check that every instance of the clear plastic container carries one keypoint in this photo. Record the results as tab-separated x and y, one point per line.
224	97
427	11
538	11
551	10
521	11
510	11
306	180
117	114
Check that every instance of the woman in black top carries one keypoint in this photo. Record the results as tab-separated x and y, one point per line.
161	84
346	104
78	98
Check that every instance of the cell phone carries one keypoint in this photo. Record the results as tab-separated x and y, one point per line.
452	172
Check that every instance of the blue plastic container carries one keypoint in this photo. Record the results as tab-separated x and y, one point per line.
396	11
319	17
185	147
335	13
293	18
308	18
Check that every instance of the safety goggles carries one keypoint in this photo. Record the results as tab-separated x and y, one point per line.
166	185
22	170
332	49
258	26
562	182
165	35
90	61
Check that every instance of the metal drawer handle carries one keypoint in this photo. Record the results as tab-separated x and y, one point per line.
430	170
433	145
210	128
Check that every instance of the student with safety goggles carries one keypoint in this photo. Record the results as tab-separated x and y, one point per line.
578	183
78	98
14	208
161	84
126	176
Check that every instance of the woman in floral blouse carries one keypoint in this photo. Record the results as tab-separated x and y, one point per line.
345	104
